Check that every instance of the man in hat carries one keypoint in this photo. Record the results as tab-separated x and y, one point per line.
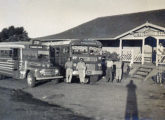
69	70
81	67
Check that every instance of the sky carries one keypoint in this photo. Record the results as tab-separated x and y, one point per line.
47	17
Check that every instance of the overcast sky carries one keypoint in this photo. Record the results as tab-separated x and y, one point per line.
46	17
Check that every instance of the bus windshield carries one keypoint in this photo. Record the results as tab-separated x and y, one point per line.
79	49
95	51
86	50
43	54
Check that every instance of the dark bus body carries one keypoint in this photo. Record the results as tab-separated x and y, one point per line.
89	50
25	60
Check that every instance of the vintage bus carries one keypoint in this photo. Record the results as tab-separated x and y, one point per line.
25	60
89	50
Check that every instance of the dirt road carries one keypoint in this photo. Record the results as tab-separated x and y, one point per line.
18	105
102	101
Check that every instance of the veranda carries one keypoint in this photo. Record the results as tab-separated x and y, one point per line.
139	45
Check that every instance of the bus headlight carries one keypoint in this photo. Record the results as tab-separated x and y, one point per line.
99	58
43	65
42	72
74	64
56	71
74	57
99	65
48	65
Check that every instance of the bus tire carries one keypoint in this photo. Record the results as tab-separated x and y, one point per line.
31	79
93	79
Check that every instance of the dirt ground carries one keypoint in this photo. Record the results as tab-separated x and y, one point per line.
137	100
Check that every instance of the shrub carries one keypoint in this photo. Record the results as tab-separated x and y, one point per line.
113	56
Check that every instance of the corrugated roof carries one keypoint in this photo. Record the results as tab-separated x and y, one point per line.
111	26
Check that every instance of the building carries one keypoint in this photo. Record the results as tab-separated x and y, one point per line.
135	37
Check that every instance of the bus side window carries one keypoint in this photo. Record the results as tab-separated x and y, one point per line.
65	50
15	54
57	51
10	53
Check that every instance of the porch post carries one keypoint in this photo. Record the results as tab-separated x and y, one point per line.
157	43
120	48
21	54
143	42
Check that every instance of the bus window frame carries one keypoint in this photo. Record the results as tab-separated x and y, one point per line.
84	53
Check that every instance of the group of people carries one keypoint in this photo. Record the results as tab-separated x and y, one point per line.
113	70
81	67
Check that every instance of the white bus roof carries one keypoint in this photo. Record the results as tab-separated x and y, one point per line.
74	42
13	44
57	43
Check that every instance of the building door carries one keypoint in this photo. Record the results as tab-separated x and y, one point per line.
150	50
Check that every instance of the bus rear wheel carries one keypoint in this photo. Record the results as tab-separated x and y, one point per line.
31	79
93	79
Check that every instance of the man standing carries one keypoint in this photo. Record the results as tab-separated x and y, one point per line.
109	70
69	70
81	67
118	71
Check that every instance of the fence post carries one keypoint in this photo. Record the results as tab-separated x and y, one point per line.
132	57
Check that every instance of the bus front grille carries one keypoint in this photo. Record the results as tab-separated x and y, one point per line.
90	66
49	72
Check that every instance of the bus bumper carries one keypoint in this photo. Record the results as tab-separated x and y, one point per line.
47	78
88	73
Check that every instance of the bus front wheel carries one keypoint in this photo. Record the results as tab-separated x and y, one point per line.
31	79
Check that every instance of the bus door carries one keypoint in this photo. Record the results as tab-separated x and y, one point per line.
16	58
57	55
61	55
52	55
64	55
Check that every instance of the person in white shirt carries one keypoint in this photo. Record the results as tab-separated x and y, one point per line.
69	70
109	70
81	67
119	71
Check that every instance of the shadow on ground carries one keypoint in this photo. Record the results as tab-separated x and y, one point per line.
131	112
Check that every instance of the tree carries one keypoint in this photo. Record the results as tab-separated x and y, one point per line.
12	34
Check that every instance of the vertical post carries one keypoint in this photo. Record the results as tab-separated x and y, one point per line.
132	57
132	52
20	54
157	43
143	42
120	48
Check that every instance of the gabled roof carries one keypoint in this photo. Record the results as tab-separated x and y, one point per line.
112	26
140	27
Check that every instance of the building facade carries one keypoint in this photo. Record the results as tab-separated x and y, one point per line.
138	45
135	37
